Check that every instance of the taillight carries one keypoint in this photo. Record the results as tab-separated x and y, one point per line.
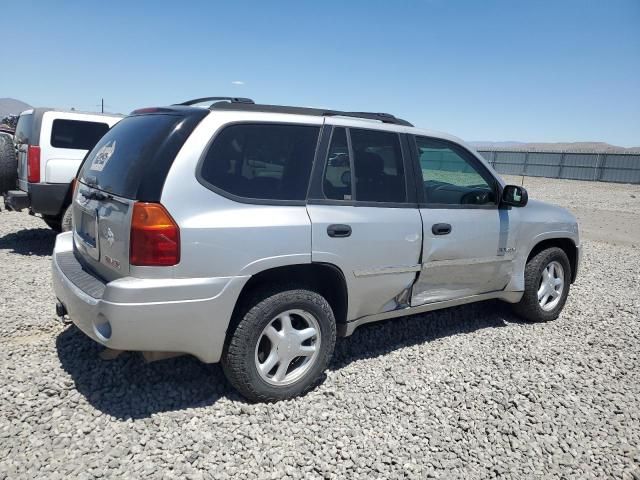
33	164
155	236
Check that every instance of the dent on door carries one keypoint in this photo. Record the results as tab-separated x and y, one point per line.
475	257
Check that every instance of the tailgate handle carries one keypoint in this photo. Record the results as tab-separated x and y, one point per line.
339	230
441	229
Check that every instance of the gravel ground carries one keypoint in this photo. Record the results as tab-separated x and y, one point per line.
470	392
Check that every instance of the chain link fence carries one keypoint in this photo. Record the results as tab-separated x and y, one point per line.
600	167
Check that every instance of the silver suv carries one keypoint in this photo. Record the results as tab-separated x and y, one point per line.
254	234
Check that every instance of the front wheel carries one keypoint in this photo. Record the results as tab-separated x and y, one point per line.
547	277
281	346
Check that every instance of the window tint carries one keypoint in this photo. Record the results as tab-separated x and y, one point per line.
76	134
451	177
24	128
126	154
269	161
337	173
379	174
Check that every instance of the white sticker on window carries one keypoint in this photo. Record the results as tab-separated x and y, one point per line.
103	156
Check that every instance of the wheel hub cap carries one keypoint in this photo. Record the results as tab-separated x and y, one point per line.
551	286
288	347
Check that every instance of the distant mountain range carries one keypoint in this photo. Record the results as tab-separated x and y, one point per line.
11	106
598	147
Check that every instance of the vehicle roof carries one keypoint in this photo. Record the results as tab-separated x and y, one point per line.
382	121
41	110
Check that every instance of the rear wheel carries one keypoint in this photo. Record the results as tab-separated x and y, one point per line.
8	164
53	222
59	223
65	223
281	346
547	277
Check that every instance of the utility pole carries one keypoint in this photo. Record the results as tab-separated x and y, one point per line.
102	105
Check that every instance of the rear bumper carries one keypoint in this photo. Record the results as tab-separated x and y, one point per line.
164	315
48	198
16	200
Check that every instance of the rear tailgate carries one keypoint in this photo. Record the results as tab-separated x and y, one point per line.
129	164
101	231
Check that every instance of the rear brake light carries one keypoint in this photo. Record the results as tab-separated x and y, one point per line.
155	236
150	110
33	164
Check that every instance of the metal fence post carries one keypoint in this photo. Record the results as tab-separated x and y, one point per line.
603	165
596	168
561	164
524	166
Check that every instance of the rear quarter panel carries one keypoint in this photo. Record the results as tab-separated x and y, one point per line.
220	237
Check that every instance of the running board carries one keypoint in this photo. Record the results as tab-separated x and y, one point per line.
346	329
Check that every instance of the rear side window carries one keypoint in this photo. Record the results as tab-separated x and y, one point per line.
379	173
76	134
132	154
24	128
261	161
336	183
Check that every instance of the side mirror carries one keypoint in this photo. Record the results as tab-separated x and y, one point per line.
514	196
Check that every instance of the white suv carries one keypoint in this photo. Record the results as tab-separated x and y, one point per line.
253	234
50	146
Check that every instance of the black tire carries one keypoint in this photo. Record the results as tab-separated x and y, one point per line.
529	307
59	223
8	164
238	359
65	222
53	222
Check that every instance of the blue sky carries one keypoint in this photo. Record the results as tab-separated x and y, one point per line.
548	70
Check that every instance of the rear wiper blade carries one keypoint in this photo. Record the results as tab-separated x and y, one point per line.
95	195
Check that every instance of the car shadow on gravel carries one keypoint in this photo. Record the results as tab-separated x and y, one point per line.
127	387
381	338
34	241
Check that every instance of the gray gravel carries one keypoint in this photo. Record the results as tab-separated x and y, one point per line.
466	393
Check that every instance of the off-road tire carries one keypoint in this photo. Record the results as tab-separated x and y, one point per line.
8	164
528	307
238	361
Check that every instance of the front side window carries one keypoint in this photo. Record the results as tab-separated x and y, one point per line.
451	177
378	168
262	161
76	135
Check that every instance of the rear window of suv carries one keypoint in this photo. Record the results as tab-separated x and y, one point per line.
133	158
24	128
76	134
261	161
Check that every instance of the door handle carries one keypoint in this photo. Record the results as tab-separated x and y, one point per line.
441	228
339	230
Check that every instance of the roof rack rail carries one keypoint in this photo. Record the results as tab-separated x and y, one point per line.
195	101
381	117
